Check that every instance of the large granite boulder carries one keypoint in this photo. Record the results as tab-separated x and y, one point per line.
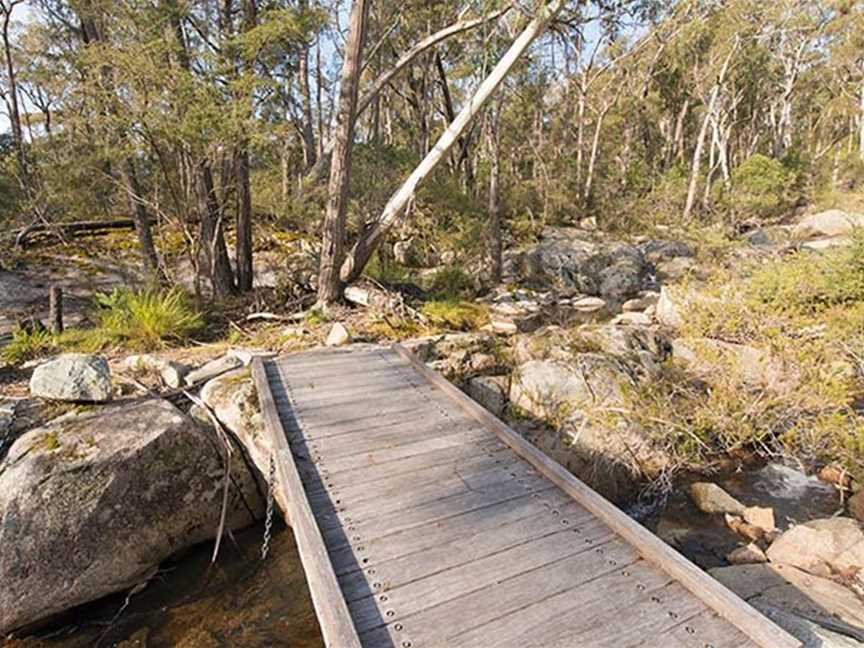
77	377
833	222
554	390
91	503
233	399
555	262
658	251
569	398
616	275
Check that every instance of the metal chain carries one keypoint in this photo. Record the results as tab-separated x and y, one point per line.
268	520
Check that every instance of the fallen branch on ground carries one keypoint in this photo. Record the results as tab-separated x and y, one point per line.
89	228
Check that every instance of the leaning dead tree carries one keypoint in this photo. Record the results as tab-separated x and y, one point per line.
394	211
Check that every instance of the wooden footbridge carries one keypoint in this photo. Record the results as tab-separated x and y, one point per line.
424	521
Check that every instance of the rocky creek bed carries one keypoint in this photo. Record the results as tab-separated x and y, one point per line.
111	478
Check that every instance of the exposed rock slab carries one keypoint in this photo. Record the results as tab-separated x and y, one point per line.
214	368
822	547
833	222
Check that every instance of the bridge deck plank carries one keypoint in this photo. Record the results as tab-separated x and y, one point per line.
441	528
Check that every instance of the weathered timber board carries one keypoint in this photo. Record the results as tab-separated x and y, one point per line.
425	521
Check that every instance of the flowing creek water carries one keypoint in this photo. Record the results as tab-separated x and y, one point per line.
242	601
706	540
239	602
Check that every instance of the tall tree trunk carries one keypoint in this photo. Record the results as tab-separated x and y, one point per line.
142	219
15	112
861	125
92	32
310	147
213	233
495	243
243	243
243	224
372	236
330	286
212	226
678	140
460	26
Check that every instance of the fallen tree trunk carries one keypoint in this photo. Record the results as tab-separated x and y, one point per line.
91	228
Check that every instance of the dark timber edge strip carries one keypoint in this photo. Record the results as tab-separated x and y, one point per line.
333	615
739	613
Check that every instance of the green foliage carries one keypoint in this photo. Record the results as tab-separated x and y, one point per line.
28	344
809	283
763	188
451	283
145	319
456	315
799	323
386	271
315	317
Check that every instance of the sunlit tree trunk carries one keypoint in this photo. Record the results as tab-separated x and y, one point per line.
330	286
494	144
703	133
6	8
861	125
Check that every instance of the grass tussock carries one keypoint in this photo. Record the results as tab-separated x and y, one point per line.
126	319
27	344
146	319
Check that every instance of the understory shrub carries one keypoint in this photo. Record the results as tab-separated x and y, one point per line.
762	188
781	365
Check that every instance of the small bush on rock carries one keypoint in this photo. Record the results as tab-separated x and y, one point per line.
776	363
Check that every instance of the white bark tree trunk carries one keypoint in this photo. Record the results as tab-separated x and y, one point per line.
703	132
861	126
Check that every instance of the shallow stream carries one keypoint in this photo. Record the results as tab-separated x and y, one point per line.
244	602
241	602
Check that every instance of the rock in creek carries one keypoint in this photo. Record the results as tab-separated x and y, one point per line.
710	498
76	377
90	503
234	401
822	547
490	392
